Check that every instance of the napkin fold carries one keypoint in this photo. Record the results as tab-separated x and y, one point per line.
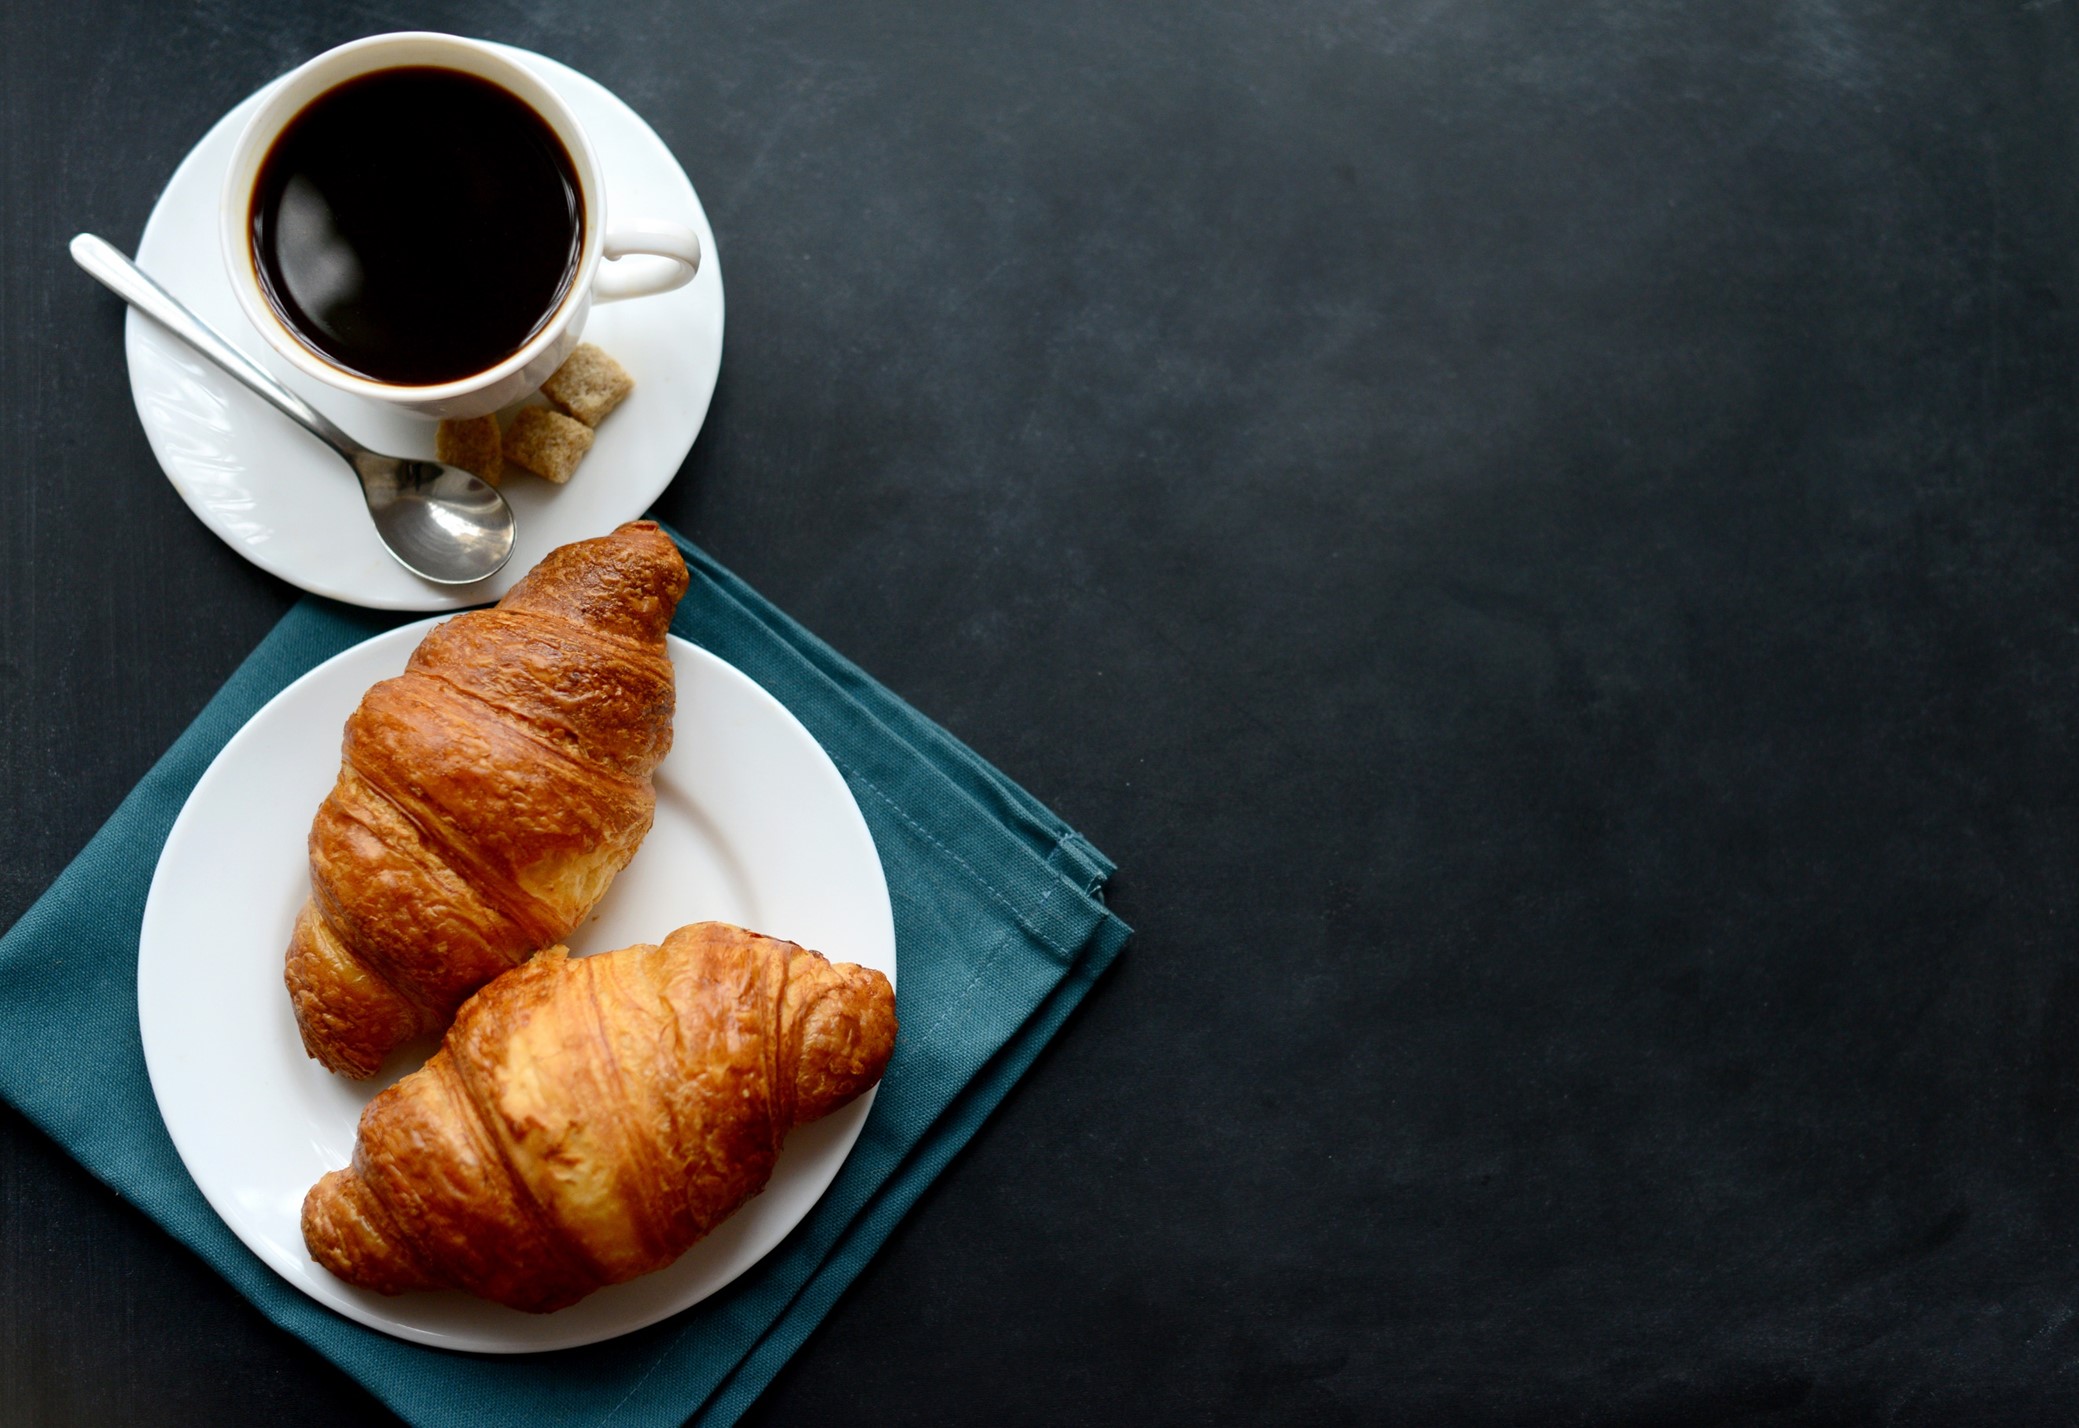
1000	929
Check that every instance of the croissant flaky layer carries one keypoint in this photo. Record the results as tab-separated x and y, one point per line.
587	1120
486	796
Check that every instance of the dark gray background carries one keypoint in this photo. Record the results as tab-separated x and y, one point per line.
1540	535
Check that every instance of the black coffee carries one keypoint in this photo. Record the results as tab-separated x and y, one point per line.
416	225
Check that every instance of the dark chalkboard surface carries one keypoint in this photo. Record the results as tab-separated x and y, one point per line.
1542	537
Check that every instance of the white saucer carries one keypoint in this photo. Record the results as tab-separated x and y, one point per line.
754	826
292	508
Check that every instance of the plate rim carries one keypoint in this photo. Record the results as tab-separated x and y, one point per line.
483	1342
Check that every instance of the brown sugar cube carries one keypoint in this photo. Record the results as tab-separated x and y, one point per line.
589	384
547	443
471	445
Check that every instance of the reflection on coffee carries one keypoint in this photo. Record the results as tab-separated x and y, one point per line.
416	225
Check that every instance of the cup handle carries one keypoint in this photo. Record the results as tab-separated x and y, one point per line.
648	237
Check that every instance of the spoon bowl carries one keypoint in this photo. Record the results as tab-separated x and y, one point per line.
441	523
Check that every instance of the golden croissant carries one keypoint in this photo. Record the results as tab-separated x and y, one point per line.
588	1119
486	796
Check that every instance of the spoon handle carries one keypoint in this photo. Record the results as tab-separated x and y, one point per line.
107	264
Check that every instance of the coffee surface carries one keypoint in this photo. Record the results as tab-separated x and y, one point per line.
416	225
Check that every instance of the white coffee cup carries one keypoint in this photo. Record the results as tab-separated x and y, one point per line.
524	370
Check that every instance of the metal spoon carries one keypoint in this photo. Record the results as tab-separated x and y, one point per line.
441	523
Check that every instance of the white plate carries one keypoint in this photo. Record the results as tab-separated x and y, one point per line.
291	507
754	826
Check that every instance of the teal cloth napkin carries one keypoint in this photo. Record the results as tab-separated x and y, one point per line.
1000	929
